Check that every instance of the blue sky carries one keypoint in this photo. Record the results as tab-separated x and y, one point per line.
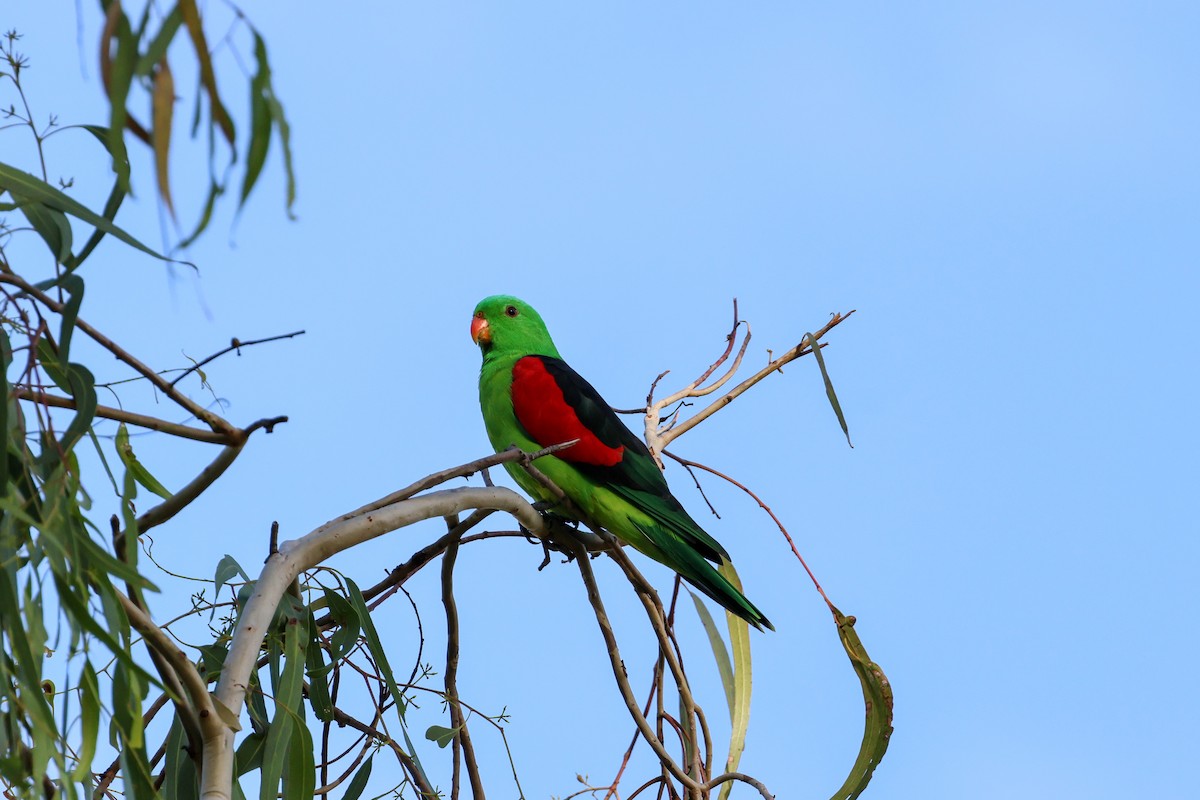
1006	193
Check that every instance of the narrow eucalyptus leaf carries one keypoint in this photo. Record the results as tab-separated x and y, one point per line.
358	783
739	646
34	188
829	392
877	697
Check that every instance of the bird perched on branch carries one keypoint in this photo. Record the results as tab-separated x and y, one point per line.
532	399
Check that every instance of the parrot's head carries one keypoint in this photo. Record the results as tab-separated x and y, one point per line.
503	324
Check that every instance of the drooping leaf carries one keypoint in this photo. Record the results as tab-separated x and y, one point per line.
375	645
358	783
157	49
181	781
135	467
739	645
829	392
250	753
51	224
19	182
877	696
260	120
162	104
440	734
208	78
720	652
118	82
227	568
89	702
215	190
111	205
316	670
73	285
300	776
287	709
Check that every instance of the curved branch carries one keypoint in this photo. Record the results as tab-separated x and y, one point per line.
804	348
292	558
214	421
618	668
121	415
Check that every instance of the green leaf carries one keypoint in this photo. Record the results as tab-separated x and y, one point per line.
720	653
739	645
250	753
208	78
358	783
829	392
260	120
5	432
227	568
345	638
51	224
20	183
119	83
287	707
877	696
115	197
316	669
181	781
443	736
158	46
89	700
375	645
215	190
73	284
300	779
162	111
135	467
226	714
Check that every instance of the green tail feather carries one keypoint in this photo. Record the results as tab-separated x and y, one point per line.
701	574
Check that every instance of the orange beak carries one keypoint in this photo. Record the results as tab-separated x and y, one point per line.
480	332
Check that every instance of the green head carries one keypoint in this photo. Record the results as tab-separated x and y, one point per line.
505	325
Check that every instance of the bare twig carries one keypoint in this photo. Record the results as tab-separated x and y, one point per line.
664	438
121	415
214	421
764	507
235	344
462	737
614	655
410	766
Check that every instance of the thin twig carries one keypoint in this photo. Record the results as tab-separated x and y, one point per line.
235	344
458	721
802	349
121	415
764	507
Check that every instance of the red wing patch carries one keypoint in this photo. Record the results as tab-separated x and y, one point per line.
549	419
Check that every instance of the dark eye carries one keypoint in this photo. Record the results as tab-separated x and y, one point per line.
511	311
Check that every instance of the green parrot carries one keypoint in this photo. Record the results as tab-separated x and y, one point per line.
533	399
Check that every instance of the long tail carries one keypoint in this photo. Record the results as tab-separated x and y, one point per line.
699	573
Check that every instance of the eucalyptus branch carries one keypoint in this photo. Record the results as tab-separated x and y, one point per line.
121	415
618	668
779	523
410	766
458	722
185	496
294	557
746	779
234	344
441	476
417	561
217	423
658	440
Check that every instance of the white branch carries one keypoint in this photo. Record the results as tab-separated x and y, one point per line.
298	555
